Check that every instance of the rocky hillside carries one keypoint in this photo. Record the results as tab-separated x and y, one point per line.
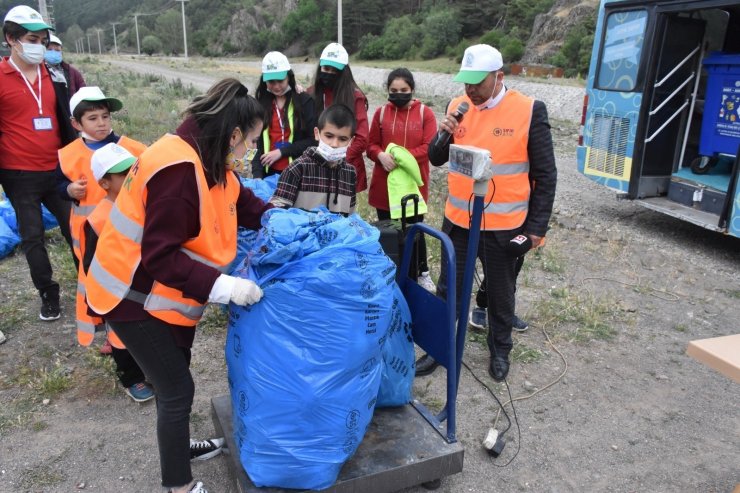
549	30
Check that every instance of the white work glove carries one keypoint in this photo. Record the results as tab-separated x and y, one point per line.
240	291
245	292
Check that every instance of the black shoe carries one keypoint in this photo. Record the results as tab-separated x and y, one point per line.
519	325
499	368
425	365
49	307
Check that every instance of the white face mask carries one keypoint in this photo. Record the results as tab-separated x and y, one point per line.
88	138
33	54
286	91
330	153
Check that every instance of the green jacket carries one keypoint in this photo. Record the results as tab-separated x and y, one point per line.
403	180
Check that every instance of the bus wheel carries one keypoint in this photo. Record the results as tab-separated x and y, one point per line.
702	164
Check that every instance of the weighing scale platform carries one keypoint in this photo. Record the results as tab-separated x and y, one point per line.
400	449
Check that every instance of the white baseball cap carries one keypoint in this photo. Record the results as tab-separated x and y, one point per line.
54	39
111	158
478	61
275	66
93	93
27	17
335	56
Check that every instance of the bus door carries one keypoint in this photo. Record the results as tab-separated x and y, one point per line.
669	98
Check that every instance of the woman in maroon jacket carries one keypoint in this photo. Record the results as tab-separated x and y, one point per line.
334	83
407	122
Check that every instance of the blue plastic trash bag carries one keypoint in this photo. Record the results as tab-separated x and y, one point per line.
8	239
304	364
398	356
8	214
245	238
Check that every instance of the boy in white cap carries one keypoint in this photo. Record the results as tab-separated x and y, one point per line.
109	166
34	124
91	116
54	61
334	83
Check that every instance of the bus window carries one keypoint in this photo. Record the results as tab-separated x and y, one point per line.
620	54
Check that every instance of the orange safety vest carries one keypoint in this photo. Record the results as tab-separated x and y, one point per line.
74	160
87	323
503	130
119	247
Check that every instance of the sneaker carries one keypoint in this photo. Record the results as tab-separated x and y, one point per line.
425	281
205	449
106	348
2	337
49	307
478	318
519	325
140	392
197	488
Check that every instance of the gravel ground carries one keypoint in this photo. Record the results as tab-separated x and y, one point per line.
632	412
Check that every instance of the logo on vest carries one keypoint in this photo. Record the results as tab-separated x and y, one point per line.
460	131
503	132
232	209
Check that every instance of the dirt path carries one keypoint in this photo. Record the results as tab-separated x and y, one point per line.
619	289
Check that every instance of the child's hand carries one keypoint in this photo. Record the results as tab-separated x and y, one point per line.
386	160
78	189
271	157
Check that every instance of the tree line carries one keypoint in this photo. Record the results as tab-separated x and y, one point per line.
372	29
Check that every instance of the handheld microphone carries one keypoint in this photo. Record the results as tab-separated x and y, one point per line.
519	245
443	138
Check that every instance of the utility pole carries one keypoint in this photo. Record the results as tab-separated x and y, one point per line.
100	49
339	21
115	42
136	23
184	31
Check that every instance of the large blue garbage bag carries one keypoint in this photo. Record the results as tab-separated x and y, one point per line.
245	238
304	364
398	356
8	239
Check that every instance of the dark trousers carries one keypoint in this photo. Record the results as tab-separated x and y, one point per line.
127	370
500	272
420	265
167	368
27	190
481	298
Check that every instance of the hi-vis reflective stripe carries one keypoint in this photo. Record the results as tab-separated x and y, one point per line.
87	328
83	210
493	207
75	243
125	226
81	288
155	303
511	168
203	260
108	280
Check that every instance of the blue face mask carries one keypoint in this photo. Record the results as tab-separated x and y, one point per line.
53	57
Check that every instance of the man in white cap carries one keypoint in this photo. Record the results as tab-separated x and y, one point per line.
54	60
34	124
516	131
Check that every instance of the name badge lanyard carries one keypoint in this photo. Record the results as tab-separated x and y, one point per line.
28	84
280	121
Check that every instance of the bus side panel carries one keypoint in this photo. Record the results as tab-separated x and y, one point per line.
610	124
